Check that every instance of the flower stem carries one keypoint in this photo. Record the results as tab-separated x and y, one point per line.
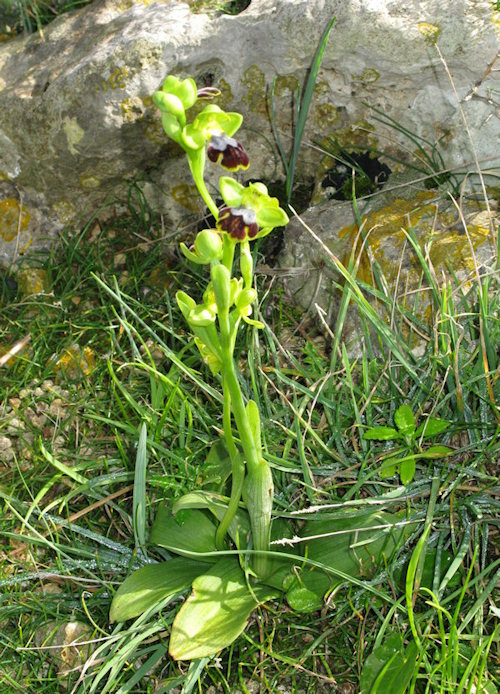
196	160
258	481
237	473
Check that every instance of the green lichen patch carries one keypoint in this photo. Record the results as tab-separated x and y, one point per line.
369	74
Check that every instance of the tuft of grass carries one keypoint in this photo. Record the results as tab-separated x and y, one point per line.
28	16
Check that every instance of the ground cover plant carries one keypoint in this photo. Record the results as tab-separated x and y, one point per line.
384	469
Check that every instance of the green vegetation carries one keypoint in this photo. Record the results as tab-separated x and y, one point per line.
73	525
384	467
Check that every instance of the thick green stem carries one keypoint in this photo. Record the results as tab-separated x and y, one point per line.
196	159
258	483
237	474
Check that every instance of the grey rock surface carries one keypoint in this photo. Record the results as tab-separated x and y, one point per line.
456	239
77	124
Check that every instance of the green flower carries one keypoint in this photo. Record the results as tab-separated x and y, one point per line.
175	97
212	121
250	211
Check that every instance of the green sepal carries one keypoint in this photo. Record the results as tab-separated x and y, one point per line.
208	245
169	103
231	191
185	303
192	137
271	217
201	316
192	257
151	584
246	298
171	127
186	90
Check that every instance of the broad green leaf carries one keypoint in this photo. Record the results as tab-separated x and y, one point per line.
381	434
189	531
344	546
433	426
150	584
390	667
356	551
407	469
217	611
405	420
217	467
239	528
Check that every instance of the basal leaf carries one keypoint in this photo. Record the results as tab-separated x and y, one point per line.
217	611
189	531
217	467
405	420
239	528
150	584
352	548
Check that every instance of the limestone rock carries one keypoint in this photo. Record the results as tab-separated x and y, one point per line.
77	124
458	245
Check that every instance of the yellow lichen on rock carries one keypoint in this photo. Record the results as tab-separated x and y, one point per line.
75	362
32	281
429	31
14	219
439	232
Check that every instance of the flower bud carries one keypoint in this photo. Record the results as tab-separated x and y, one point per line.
246	264
208	245
221	281
246	298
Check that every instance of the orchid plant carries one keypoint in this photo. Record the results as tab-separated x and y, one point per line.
222	532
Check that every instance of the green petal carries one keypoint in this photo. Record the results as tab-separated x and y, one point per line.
272	217
192	137
231	191
231	123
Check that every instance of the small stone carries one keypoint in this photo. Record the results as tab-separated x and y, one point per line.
38	392
15	403
56	408
15	426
